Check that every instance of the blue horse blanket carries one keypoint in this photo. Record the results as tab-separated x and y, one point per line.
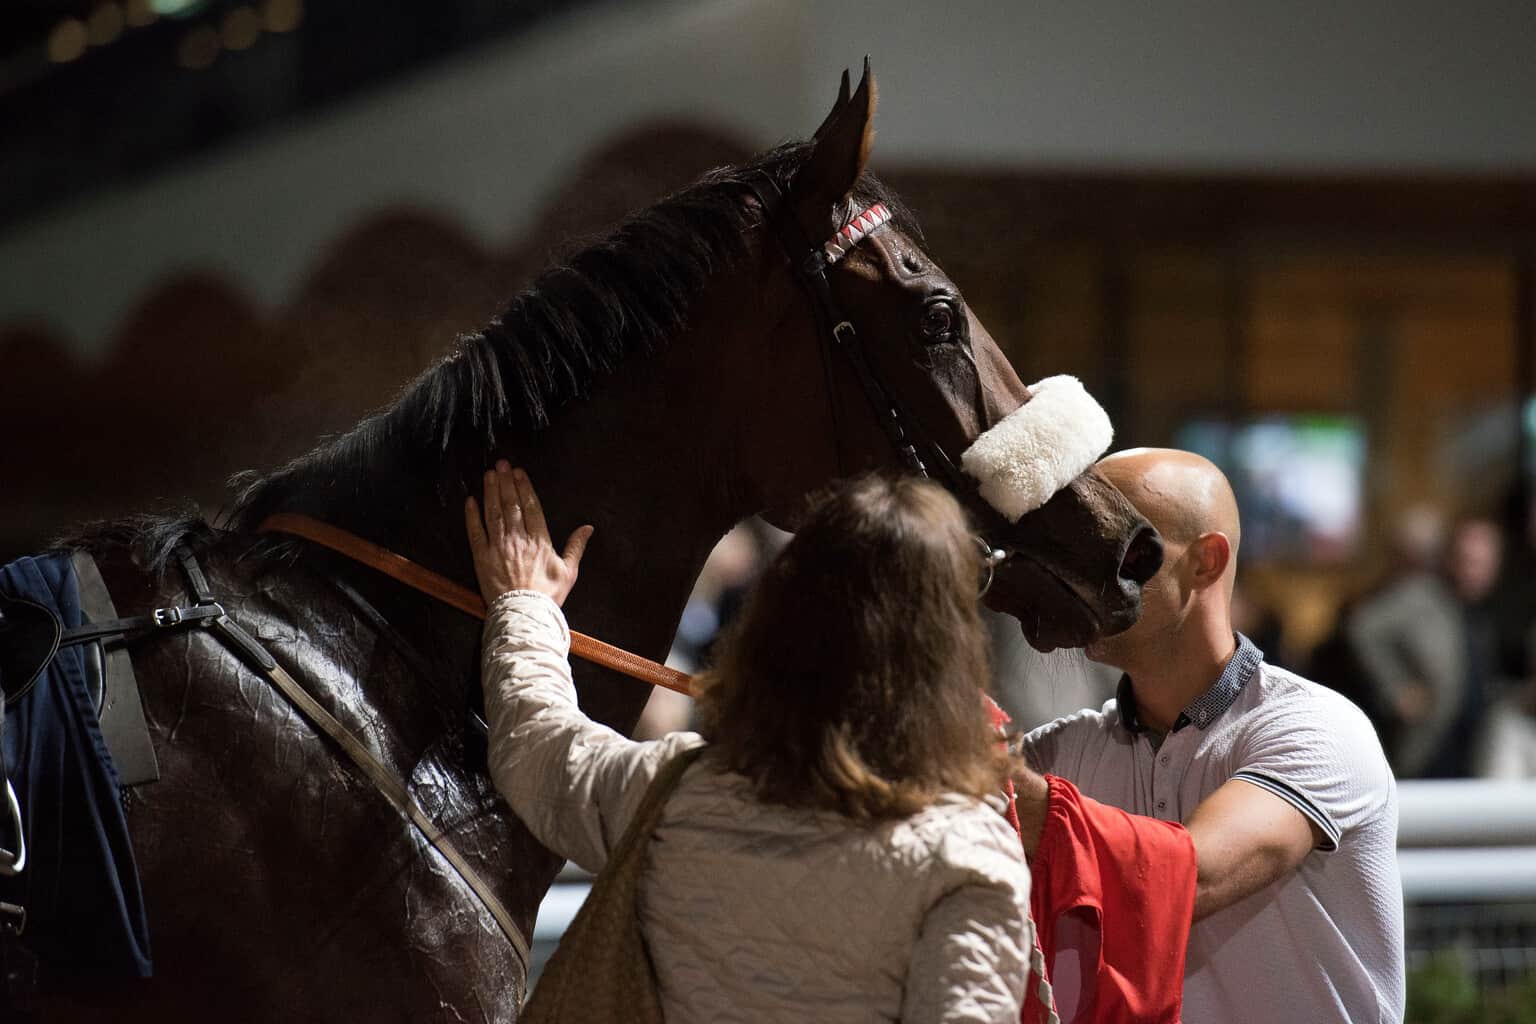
80	887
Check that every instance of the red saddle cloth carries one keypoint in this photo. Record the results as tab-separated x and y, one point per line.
1135	877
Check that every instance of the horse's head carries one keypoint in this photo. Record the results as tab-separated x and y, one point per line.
913	380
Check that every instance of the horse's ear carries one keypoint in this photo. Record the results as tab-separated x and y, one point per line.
840	151
842	101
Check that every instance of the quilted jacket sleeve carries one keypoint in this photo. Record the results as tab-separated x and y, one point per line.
970	964
575	784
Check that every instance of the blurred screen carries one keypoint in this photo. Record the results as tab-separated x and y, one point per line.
1528	424
1299	480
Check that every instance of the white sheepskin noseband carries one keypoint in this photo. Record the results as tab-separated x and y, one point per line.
1040	447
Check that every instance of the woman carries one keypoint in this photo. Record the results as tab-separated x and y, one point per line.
831	856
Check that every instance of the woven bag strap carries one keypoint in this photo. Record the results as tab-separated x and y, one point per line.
632	842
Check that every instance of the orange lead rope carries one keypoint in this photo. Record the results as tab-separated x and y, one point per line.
443	589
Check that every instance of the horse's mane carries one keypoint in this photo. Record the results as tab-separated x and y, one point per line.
625	293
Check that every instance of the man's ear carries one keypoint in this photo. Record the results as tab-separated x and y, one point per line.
840	151
1212	554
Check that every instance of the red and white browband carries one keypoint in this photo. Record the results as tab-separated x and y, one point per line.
855	231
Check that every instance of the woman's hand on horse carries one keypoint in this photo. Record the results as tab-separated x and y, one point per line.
510	543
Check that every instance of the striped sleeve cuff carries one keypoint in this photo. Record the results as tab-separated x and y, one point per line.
1298	800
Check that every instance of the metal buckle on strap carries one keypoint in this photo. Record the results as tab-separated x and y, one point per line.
13	918
844	328
165	618
13	861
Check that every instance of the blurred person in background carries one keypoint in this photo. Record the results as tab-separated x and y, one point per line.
717	597
1409	642
1507	747
1473	560
832	854
1514	599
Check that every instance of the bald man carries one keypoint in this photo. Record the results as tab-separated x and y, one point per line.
1281	783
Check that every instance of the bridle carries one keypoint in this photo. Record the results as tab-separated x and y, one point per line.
810	264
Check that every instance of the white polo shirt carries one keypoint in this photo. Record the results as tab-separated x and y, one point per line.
1323	944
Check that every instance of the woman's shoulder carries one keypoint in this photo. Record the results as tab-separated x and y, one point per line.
972	817
964	837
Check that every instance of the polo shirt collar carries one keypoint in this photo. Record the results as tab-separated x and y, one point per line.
1210	705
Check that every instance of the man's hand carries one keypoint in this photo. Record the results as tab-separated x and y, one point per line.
511	544
1245	838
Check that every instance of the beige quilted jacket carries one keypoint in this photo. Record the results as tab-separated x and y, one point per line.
753	911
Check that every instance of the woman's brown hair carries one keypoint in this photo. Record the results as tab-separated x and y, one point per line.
853	679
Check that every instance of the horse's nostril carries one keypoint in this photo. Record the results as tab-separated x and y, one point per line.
1143	557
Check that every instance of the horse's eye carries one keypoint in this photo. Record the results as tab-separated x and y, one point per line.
938	321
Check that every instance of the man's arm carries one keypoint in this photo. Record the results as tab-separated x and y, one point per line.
1245	838
1056	748
1032	795
1307	771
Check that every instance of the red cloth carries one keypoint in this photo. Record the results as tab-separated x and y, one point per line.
1136	877
1038	1003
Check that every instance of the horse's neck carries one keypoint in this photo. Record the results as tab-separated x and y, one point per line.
667	455
646	476
637	465
662	460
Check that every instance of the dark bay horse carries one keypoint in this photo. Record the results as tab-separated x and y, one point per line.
662	384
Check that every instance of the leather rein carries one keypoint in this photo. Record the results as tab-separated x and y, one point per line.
441	588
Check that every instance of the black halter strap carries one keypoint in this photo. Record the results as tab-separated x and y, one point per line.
906	435
810	267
